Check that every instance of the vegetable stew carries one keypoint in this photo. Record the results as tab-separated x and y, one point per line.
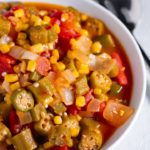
65	80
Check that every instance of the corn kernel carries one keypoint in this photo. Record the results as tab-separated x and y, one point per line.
57	120
8	99
11	44
56	28
11	77
64	17
80	101
48	145
84	17
47	19
16	69
96	47
19	13
43	13
37	48
15	86
31	65
75	73
72	41
83	69
55	53
84	32
75	132
36	20
60	66
53	60
4	48
71	54
97	91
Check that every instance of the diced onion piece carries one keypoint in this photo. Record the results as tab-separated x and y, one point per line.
6	86
103	64
67	96
5	39
117	114
83	44
68	75
94	105
21	53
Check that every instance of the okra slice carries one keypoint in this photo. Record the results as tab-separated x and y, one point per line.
106	40
4	132
115	88
24	141
37	111
22	100
34	76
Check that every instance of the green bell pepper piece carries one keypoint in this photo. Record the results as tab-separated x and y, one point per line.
106	40
22	100
115	88
24	141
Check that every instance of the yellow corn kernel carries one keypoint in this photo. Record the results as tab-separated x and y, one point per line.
53	60
96	47
25	27
31	65
5	48
16	69
57	120
64	17
55	53
22	36
19	13
15	86
60	66
46	19
84	32
84	17
8	99
75	73
11	77
37	48
56	28
72	41
80	101
71	54
36	20
84	69
48	145
75	132
97	91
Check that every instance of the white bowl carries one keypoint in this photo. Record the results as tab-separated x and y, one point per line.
132	51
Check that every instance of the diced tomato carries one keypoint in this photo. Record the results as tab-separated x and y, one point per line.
6	64
117	114
8	14
122	78
102	107
42	66
60	148
14	8
72	109
14	123
46	54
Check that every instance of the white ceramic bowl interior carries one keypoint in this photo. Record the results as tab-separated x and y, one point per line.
131	49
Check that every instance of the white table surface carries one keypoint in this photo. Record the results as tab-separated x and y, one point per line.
138	138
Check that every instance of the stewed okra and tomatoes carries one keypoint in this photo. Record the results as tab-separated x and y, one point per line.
65	82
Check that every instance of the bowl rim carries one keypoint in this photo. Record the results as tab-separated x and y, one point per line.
141	60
